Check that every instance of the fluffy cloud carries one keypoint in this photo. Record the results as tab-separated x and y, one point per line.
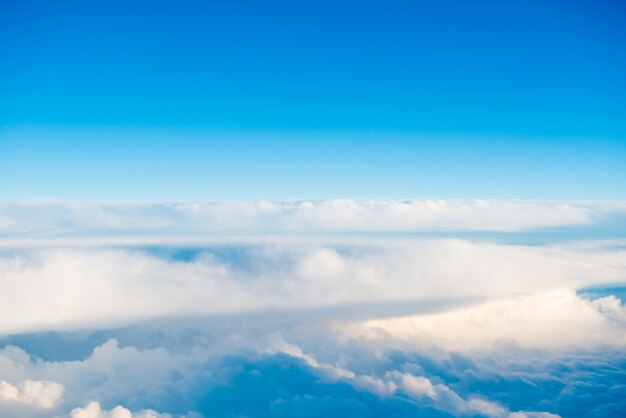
545	320
281	310
440	396
284	375
40	393
72	288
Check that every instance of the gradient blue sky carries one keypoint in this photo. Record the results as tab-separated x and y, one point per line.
281	100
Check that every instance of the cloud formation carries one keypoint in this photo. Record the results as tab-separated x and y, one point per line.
40	393
71	288
287	374
543	321
308	309
260	217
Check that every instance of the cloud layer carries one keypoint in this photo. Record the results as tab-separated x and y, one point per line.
289	373
197	218
309	309
72	288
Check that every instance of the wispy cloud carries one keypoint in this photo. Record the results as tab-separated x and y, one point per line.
62	219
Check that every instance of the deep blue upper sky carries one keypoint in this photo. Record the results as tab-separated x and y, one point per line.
553	71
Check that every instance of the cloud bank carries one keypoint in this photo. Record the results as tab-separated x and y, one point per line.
309	309
71	288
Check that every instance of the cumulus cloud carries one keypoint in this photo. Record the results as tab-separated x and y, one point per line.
553	319
73	288
40	393
283	375
279	309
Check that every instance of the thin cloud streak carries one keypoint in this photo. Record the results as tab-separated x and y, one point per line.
341	215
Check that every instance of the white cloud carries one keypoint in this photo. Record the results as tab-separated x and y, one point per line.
110	375
441	396
113	374
136	379
75	289
611	307
261	217
468	296
546	320
419	387
93	410
39	393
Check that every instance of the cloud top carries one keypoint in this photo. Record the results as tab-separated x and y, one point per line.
70	288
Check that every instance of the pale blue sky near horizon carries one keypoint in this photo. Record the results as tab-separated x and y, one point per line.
136	164
109	100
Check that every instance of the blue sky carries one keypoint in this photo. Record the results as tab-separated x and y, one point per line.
281	100
135	164
312	208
